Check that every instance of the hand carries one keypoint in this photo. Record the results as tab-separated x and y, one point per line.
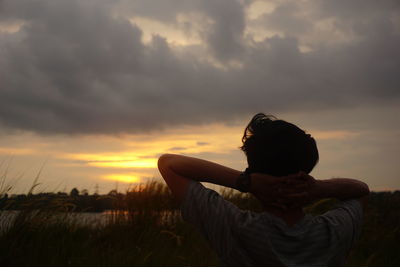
284	191
305	190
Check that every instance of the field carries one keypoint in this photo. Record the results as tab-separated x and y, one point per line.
145	229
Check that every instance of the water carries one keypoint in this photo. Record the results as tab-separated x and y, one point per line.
94	219
7	218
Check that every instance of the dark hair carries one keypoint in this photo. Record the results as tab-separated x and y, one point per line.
277	147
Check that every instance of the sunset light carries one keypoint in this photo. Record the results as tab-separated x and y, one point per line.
122	160
123	178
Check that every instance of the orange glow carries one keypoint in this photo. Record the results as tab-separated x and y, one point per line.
123	160
150	163
125	178
127	164
215	138
144	151
133	158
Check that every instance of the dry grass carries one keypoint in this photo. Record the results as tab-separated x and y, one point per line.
146	230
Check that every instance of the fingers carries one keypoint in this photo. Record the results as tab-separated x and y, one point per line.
282	191
300	176
297	199
292	179
290	187
307	177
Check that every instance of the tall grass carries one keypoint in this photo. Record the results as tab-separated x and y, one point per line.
146	229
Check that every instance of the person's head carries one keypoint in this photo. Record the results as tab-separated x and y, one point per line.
277	147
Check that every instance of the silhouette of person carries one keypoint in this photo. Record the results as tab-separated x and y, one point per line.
280	157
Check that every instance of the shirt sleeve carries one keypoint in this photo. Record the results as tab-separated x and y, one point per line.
212	215
347	217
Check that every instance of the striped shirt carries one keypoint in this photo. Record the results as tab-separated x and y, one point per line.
245	238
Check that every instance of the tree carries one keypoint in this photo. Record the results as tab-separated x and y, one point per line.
74	192
85	192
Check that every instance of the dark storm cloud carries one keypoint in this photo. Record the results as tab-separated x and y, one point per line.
81	66
286	17
227	17
225	38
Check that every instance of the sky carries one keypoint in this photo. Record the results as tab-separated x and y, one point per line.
92	92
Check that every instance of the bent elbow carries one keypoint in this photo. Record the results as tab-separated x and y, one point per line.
366	190
164	160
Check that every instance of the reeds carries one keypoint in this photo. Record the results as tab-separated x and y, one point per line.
145	229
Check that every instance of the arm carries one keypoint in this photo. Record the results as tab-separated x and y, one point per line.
339	188
204	208
342	189
177	170
298	190
348	215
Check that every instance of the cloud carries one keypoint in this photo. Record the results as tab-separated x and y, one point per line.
177	148
202	143
81	67
225	37
288	17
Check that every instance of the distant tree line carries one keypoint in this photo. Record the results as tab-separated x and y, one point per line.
154	196
74	201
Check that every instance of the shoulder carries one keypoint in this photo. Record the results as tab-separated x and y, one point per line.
345	219
351	209
216	218
201	201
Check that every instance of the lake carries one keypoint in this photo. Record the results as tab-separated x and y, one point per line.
7	217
